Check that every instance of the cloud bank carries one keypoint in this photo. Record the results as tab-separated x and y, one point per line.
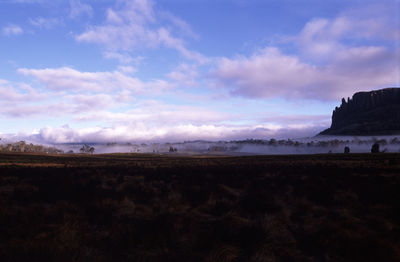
270	73
183	132
335	58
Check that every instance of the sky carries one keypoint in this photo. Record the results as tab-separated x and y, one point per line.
176	70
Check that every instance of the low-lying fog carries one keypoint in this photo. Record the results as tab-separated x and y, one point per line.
313	145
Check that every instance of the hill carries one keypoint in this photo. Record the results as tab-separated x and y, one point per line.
367	113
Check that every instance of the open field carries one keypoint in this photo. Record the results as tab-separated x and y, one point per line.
130	207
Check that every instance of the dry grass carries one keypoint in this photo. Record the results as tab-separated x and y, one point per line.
128	207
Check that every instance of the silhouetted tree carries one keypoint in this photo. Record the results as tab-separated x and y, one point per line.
86	149
347	150
375	148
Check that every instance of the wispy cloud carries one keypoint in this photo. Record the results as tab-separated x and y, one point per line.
44	23
153	112
69	79
12	29
135	25
127	69
123	58
323	38
77	9
18	93
21	100
185	75
180	24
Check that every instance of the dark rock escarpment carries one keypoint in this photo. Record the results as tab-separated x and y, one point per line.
367	113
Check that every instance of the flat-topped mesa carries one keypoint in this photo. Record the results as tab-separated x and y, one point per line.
367	113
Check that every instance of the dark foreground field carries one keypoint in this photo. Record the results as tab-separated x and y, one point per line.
164	208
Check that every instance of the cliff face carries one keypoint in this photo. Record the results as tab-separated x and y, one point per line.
367	113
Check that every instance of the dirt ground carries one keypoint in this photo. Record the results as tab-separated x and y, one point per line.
130	207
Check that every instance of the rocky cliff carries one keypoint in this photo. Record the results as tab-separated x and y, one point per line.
367	113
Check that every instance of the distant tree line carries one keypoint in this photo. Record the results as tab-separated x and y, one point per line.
318	143
23	147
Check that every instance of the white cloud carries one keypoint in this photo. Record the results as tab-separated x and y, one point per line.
75	94
375	21
127	27
140	11
266	74
78	9
270	73
29	110
168	40
24	102
14	93
135	25
46	23
127	69
122	58
3	82
157	113
140	132
21	100
323	38
92	102
124	37
113	17
12	30
184	27
148	120
184	74
336	57
69	79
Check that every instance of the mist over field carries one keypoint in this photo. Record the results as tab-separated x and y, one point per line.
315	145
310	145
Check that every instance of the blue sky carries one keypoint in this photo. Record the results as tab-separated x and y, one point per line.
173	70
